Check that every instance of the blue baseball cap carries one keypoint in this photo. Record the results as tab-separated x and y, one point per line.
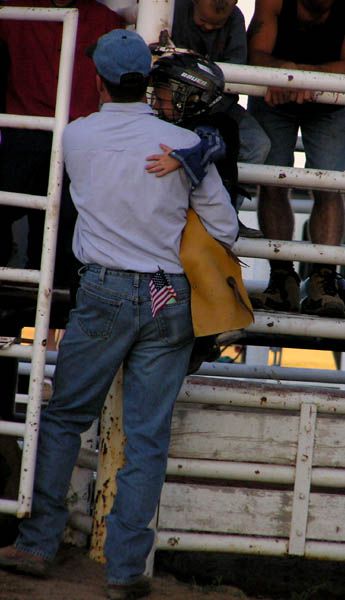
121	52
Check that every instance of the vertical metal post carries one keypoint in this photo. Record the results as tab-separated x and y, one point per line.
110	460
153	17
80	495
300	505
47	265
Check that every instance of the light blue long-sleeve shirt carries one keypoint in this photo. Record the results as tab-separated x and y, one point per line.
129	219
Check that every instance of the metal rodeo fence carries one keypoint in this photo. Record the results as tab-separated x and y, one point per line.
277	446
254	467
43	277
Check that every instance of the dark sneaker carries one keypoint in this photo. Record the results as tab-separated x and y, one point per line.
281	294
141	588
248	232
17	560
323	297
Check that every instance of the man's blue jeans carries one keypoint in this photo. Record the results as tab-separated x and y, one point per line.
111	324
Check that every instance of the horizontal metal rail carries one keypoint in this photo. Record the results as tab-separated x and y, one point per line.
31	13
51	356
299	325
20	275
9	507
285	250
241	471
218	369
27	122
211	392
260	90
240	544
183	540
289	78
21	398
316	179
298	205
208	542
12	428
229	470
25	369
26	200
237	371
24	353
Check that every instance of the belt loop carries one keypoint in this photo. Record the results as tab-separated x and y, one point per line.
136	280
102	274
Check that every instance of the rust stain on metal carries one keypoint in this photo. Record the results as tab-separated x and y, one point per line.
173	541
24	515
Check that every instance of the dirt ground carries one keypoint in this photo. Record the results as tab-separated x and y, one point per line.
76	577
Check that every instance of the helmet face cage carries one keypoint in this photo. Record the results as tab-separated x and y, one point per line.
196	84
187	100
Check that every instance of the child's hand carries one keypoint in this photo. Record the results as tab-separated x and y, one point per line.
162	164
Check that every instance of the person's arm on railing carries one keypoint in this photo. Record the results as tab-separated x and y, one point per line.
262	35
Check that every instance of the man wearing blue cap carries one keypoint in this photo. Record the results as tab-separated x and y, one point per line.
133	307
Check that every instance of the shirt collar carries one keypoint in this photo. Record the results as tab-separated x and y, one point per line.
127	107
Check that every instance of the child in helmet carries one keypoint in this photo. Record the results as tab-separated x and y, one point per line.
187	90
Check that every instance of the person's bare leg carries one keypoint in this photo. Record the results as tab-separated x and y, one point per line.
277	222
275	214
327	218
326	227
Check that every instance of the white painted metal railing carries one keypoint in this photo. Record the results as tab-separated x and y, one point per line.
44	277
154	16
328	87
308	401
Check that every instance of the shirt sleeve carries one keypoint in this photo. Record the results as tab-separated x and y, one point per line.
211	202
196	160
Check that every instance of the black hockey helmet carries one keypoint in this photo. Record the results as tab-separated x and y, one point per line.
197	84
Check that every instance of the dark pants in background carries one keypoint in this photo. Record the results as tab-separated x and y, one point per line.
24	168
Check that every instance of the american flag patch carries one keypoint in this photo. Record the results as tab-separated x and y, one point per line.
161	292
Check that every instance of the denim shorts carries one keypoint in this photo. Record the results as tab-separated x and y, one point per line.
322	130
